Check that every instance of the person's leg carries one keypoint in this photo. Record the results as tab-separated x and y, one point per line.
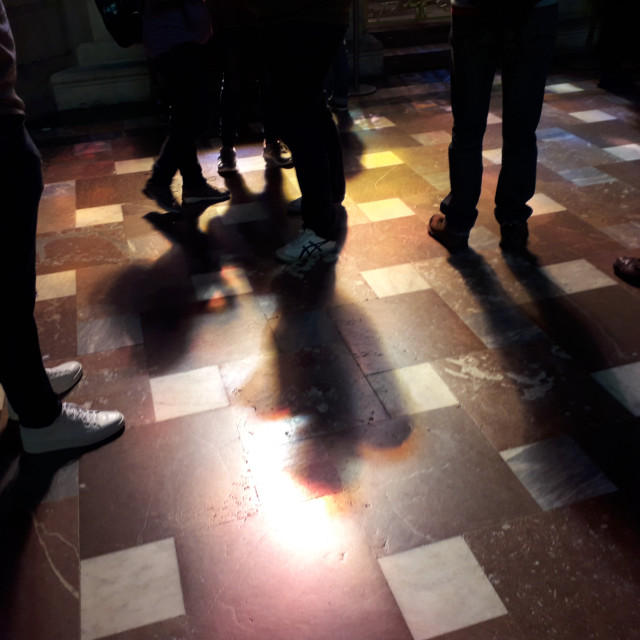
231	94
474	57
22	373
184	75
526	57
300	55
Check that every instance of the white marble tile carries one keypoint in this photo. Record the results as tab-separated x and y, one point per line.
107	214
412	389
432	137
557	472
563	87
386	209
494	156
134	166
627	234
229	281
188	392
129	589
440	588
251	163
623	383
439	180
577	275
379	159
586	176
58	189
105	334
592	115
56	285
390	281
625	151
149	247
541	204
369	123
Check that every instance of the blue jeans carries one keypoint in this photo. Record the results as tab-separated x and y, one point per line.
22	373
522	45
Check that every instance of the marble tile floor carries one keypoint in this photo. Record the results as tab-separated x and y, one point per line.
400	446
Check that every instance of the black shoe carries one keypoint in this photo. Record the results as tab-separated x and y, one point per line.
162	195
514	236
455	242
204	193
628	269
227	162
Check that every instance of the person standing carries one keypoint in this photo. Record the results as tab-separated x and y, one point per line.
301	38
46	424
518	37
174	34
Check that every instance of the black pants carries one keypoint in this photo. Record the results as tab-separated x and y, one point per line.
243	63
522	45
22	373
299	56
183	74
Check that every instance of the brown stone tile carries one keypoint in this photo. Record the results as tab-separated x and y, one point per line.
74	169
626	172
496	629
390	242
570	573
118	380
403	330
202	335
592	326
601	205
57	213
301	571
174	629
307	392
113	189
162	479
426	478
559	237
83	247
113	290
609	133
40	583
56	320
526	393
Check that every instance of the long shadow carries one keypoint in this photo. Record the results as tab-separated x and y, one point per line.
25	480
582	408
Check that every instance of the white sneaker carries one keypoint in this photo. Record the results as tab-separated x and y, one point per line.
62	378
308	245
74	427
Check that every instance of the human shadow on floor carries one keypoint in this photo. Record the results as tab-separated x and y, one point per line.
562	398
25	481
309	390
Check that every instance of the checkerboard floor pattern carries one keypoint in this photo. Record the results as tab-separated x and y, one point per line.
403	445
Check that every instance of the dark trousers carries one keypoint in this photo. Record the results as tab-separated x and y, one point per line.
22	373
242	61
183	74
299	56
522	45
